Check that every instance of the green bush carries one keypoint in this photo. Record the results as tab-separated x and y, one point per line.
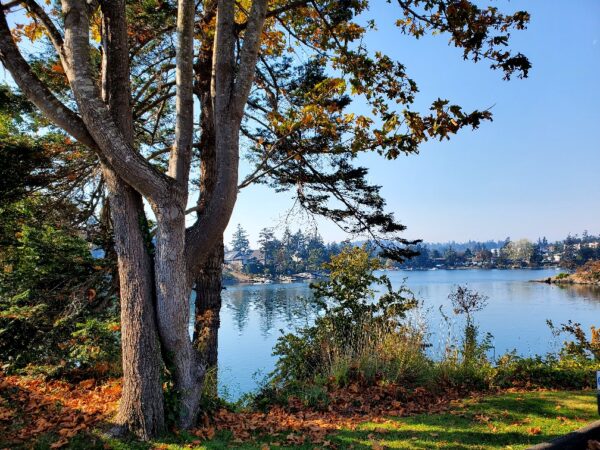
549	372
56	308
361	333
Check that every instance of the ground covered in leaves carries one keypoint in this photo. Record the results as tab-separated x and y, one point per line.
55	414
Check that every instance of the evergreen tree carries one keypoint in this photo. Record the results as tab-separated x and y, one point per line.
269	246
239	241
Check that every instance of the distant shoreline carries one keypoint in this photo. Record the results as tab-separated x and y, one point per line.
425	269
236	277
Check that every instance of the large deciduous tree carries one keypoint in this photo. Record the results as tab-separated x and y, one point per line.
131	102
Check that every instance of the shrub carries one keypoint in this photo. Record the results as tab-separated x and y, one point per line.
546	372
359	335
56	308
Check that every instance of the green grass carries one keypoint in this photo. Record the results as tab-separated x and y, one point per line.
508	421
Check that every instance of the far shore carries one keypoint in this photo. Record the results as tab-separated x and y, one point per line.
232	277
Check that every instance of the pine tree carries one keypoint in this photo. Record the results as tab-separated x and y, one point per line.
239	241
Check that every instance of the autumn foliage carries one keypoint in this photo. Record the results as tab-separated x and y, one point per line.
32	407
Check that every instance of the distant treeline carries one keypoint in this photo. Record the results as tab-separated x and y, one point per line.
570	253
297	252
291	253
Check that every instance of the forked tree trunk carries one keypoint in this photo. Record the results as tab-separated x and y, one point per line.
207	314
108	131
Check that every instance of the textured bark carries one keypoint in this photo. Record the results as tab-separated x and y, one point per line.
173	311
181	152
141	409
208	308
209	281
141	406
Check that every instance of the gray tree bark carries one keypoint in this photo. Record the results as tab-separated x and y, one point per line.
141	408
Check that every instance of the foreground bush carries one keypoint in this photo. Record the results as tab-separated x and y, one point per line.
361	333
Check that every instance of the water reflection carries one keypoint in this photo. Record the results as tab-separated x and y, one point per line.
253	316
582	292
288	306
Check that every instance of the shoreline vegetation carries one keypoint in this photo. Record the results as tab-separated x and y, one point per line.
231	277
296	256
588	275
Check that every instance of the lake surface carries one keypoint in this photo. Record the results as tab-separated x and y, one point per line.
253	316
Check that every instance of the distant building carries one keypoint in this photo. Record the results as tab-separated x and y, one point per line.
238	260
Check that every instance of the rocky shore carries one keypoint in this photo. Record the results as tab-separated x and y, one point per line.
589	274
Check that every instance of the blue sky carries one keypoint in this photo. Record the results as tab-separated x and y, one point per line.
533	171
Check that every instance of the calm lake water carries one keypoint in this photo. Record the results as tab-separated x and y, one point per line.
254	316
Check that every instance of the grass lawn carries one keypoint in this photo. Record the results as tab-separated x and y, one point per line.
509	421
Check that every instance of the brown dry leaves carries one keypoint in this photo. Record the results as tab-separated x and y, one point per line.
296	424
30	407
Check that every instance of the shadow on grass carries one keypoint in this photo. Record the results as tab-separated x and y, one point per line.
429	434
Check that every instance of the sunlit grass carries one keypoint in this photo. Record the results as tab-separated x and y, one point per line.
508	421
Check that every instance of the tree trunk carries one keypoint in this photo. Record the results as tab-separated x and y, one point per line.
173	309
141	408
209	280
207	314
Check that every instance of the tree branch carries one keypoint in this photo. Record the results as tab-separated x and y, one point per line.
181	153
113	146
248	56
36	91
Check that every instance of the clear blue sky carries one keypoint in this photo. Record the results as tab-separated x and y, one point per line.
533	171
